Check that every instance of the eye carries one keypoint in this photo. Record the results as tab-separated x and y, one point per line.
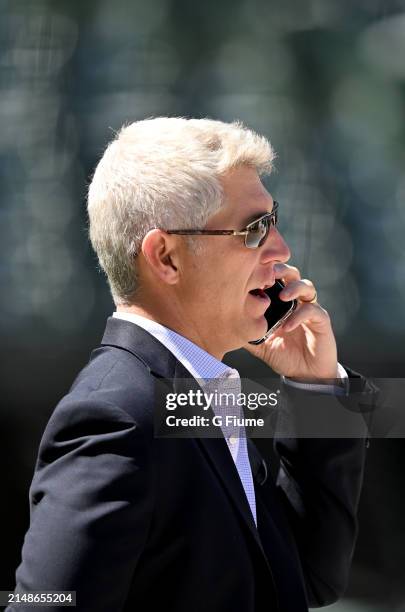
260	228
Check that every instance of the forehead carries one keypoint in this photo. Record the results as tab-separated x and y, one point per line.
245	197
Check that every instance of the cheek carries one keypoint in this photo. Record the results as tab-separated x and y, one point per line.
201	282
220	277
232	294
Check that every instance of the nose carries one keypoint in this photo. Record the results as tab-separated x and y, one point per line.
275	248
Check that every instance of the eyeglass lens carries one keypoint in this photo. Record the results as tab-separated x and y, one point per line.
258	232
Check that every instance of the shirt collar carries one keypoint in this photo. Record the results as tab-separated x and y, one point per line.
196	360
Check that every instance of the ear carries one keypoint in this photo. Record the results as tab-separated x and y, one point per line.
160	251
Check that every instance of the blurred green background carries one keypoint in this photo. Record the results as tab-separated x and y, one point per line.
323	79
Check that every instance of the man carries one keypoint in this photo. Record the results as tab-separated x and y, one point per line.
131	521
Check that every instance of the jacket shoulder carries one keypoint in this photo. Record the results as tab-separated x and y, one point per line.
116	377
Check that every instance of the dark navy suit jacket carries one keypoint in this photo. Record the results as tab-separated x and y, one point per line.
132	522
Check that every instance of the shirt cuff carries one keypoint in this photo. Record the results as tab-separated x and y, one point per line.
339	389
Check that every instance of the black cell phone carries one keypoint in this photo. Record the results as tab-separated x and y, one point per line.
277	312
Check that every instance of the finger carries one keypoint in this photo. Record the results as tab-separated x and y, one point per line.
286	272
306	313
298	290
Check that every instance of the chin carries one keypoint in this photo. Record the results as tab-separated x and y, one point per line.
252	331
257	336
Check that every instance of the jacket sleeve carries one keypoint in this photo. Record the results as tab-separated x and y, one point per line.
91	504
320	481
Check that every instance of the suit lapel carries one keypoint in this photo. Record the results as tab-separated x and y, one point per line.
162	363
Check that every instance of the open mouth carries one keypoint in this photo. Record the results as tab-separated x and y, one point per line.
260	294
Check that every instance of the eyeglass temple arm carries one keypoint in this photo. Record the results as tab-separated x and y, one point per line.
207	232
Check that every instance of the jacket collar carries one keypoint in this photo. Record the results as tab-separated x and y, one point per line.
136	340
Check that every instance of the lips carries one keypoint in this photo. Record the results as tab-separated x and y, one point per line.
260	289
260	296
258	292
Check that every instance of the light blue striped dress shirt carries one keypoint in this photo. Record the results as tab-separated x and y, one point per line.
204	367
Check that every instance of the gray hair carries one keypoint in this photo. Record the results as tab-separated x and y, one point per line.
164	173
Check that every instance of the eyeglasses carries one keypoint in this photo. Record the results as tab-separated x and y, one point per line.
255	233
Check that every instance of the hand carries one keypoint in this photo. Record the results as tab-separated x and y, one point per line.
304	347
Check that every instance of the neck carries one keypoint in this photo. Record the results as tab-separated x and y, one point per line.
177	321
